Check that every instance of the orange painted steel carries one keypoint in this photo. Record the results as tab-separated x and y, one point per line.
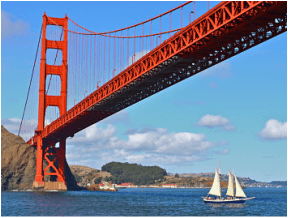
226	30
46	147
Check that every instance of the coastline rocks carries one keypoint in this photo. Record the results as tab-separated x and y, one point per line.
18	164
18	161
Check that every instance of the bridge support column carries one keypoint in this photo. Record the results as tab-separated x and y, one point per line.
55	157
62	151
38	183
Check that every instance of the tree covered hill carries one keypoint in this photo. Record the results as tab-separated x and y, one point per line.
134	173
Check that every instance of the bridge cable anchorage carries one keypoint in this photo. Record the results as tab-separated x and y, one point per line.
138	24
30	81
54	64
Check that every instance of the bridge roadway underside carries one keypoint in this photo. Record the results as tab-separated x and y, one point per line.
212	50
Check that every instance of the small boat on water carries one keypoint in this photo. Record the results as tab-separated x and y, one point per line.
52	190
231	196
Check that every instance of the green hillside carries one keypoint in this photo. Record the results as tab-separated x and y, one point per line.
134	173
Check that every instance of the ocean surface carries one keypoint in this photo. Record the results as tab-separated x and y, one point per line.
141	202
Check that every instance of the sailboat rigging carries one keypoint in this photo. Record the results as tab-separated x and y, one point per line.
231	196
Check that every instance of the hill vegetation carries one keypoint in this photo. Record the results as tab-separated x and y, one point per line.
134	173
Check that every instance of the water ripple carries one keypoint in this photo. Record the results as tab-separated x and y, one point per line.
141	202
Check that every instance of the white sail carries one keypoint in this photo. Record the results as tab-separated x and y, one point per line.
239	190
230	190
216	189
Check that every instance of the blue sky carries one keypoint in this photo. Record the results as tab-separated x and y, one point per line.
236	109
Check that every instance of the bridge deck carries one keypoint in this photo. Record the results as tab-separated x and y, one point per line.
226	30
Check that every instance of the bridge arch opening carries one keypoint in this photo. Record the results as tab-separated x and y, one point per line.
52	113
54	33
54	57
53	85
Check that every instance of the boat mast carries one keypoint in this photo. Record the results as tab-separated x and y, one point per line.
234	189
219	165
220	178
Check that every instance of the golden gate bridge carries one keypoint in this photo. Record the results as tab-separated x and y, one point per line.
81	76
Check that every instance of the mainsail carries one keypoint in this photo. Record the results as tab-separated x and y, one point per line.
239	190
216	189
230	190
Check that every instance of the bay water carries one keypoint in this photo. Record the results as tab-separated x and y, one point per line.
141	202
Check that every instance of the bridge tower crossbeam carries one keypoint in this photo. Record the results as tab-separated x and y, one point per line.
46	148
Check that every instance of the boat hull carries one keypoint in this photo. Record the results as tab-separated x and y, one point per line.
224	202
227	201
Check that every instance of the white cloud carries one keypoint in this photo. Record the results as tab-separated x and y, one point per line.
161	141
12	124
147	159
158	141
27	129
216	121
213	121
11	28
135	57
229	128
225	151
98	145
274	130
94	135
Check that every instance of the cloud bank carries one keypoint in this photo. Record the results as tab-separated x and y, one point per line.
98	145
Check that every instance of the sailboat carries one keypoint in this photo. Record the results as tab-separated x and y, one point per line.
231	196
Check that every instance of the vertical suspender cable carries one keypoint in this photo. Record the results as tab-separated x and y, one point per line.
82	68
160	31
90	63
134	44
150	34
142	39
104	72
94	62
194	10
114	50
127	48
170	26
181	17
109	60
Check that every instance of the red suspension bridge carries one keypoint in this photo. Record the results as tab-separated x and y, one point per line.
87	76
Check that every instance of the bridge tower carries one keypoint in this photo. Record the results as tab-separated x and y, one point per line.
46	148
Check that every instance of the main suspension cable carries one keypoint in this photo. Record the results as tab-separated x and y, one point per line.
121	37
114	31
138	24
30	80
